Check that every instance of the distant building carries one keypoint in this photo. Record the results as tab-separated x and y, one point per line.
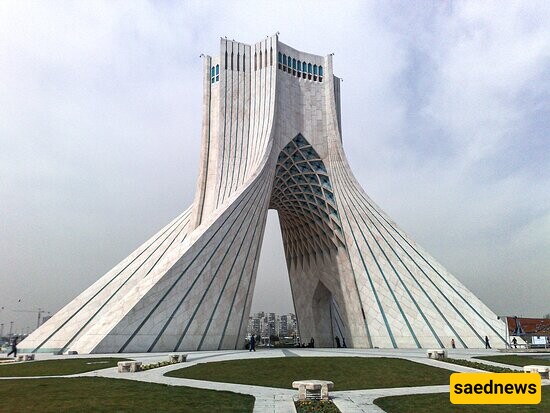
283	326
528	330
518	326
272	324
254	326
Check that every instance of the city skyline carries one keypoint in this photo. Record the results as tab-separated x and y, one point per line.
266	324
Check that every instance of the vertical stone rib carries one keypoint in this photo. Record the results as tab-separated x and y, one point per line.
202	180
222	157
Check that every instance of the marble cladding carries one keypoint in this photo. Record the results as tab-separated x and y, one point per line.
190	286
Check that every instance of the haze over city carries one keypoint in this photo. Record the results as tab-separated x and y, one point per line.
445	123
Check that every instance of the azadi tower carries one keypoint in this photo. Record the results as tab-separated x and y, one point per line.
272	138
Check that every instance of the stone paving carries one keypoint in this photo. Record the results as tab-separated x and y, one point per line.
276	400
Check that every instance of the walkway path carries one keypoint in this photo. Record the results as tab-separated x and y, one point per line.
276	400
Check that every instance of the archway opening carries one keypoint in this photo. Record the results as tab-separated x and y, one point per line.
272	311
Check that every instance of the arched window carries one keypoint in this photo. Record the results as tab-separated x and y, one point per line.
260	59
309	67
255	64
231	60
315	70
271	56
299	66
212	74
217	72
304	67
294	64
284	59
265	58
244	60
238	61
320	71
280	57
226	60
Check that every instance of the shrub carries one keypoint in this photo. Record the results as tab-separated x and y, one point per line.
479	366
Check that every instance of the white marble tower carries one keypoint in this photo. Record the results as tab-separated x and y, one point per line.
271	138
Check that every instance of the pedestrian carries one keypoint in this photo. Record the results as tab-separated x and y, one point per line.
515	342
344	342
337	339
453	345
487	345
13	347
312	343
252	343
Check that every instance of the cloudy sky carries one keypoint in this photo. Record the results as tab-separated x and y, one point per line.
446	121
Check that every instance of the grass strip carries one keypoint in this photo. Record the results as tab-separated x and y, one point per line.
59	367
101	395
515	360
440	403
479	366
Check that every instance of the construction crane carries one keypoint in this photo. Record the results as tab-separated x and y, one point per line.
40	311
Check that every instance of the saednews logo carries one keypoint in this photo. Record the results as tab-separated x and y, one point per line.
495	388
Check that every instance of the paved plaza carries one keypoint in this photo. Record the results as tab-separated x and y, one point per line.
280	400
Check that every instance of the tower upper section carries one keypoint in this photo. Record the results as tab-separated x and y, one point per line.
256	99
240	57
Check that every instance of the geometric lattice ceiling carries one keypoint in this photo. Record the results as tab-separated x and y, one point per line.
303	197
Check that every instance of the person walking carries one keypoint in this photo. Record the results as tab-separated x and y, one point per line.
453	345
13	347
252	343
487	345
337	339
515	342
344	342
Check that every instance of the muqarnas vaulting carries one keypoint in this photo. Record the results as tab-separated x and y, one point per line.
271	138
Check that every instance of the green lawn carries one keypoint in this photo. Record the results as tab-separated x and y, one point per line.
440	403
516	360
114	395
347	373
56	367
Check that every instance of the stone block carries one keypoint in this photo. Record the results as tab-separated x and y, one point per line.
437	354
544	371
313	389
129	366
